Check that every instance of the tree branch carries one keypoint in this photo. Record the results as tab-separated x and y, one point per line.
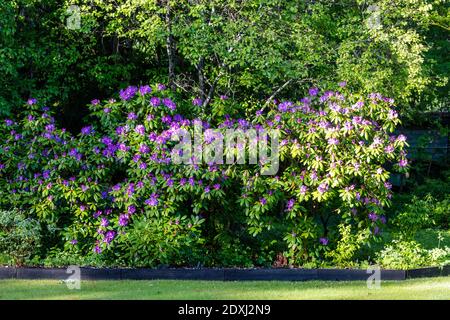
276	92
211	90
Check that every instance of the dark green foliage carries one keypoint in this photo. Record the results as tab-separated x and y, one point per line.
20	237
242	49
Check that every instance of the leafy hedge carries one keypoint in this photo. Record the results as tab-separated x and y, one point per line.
114	191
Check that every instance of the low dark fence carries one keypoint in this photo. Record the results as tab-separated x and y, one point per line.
427	144
220	274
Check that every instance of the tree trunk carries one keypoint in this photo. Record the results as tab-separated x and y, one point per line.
201	77
170	48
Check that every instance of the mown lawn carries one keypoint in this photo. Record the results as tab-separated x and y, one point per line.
430	288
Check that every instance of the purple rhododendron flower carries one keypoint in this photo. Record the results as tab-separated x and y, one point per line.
121	130
50	128
109	236
143	148
303	189
333	141
392	114
131	209
106	140
140	129
169	104
290	204
95	102
277	118
87	130
389	149
97	214
31	101
373	216
128	93
313	91
122	147
132	116
152	201
143	90
197	102
401	138
104	222
166	119
323	187
323	241
284	106
263	201
403	163
123	220
155	101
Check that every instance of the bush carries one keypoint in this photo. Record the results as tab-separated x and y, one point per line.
153	242
439	256
415	216
57	257
345	254
408	254
115	188
20	237
422	213
402	254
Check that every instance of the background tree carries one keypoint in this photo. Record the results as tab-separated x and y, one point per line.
252	49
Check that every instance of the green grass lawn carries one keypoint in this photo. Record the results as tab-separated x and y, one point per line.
430	288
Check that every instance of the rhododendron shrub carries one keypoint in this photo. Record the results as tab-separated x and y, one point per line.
335	154
115	189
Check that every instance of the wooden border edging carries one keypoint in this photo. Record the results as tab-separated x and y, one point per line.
428	272
227	274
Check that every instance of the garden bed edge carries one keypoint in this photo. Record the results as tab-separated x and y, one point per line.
220	274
